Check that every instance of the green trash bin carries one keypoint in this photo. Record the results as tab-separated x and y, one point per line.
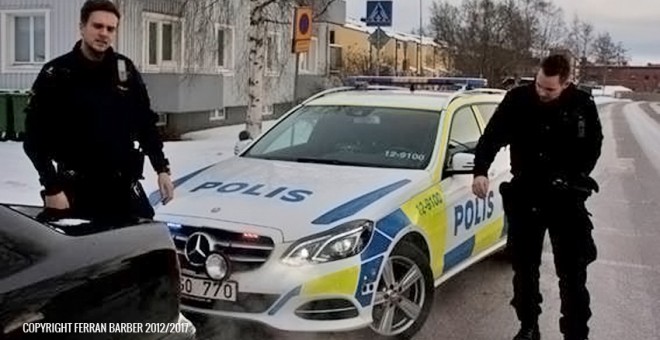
4	116
19	101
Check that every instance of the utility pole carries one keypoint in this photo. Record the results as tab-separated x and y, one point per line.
421	40
378	53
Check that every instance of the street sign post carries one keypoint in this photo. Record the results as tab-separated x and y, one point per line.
379	14
302	37
379	38
302	30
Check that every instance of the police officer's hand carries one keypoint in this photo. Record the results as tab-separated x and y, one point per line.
480	186
166	187
57	201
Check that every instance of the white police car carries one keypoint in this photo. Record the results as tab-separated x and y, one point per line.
343	215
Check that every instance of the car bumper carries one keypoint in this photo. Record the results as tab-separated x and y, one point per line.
311	298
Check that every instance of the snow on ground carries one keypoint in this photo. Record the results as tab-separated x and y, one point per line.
19	182
600	100
609	90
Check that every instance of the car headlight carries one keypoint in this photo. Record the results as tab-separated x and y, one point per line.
349	239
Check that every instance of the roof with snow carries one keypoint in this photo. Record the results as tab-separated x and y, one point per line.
357	25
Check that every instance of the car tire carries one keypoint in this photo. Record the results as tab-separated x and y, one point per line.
420	292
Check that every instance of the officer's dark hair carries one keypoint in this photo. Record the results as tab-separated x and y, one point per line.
556	65
92	6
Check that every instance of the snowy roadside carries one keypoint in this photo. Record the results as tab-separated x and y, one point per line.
19	183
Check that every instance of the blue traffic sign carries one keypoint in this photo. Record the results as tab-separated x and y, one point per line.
304	24
379	13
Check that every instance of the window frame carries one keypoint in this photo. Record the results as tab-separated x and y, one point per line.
274	72
163	119
304	58
267	110
163	65
477	110
451	125
219	114
230	55
8	43
331	66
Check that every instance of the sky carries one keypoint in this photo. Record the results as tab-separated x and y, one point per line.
636	23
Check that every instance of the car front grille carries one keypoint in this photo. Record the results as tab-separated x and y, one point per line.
244	253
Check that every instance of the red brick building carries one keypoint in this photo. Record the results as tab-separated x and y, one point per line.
636	78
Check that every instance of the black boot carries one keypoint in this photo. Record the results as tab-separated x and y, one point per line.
528	333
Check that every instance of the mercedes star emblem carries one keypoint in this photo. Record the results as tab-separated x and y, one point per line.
198	248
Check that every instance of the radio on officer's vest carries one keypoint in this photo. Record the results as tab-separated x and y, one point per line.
121	67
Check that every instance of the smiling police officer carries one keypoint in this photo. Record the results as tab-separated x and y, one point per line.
555	136
90	114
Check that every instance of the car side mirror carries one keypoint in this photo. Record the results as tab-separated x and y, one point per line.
462	163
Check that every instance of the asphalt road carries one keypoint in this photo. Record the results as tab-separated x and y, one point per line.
624	281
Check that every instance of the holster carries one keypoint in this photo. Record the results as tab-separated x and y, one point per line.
509	196
136	165
581	186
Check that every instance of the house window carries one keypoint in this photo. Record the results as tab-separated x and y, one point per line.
25	36
225	41
272	52
162	119
267	110
309	60
218	114
336	58
167	39
163	44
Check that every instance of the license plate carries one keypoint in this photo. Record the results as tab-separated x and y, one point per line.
209	289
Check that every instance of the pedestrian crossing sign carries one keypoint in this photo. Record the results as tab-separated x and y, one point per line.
379	13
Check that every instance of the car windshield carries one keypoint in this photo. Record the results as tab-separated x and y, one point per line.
352	135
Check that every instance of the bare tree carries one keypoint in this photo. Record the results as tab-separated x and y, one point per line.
493	39
607	52
264	16
581	38
356	62
621	56
201	42
551	26
490	39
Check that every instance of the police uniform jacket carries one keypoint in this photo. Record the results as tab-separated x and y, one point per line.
548	141
87	117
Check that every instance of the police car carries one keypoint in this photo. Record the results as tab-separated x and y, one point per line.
345	214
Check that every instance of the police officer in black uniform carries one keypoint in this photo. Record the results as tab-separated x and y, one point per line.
90	115
555	139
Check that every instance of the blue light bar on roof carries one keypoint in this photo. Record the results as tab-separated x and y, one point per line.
388	80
